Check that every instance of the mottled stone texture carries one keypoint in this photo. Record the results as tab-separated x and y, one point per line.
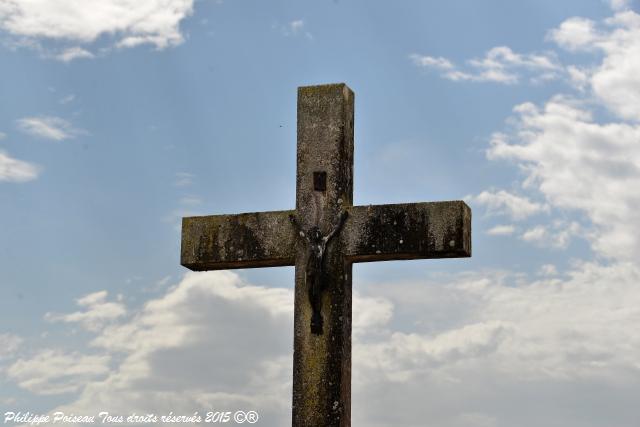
324	189
322	363
217	242
408	231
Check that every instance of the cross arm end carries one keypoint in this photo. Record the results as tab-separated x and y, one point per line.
249	240
409	231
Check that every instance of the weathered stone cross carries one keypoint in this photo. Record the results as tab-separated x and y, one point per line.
323	237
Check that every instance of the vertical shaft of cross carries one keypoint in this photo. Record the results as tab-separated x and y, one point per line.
324	188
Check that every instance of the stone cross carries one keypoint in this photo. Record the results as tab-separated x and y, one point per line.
323	237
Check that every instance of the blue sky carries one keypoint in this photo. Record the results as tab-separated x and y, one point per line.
120	117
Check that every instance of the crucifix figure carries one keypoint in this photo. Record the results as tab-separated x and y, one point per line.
316	248
323	237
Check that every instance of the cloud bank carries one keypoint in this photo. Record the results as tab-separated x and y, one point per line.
479	340
71	29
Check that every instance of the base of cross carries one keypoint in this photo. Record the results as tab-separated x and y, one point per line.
328	235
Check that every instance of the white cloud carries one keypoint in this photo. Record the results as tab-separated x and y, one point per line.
49	127
535	234
576	161
2	135
370	313
403	355
14	170
614	80
499	342
557	236
620	4
211	341
92	299
575	34
296	25
580	165
57	372
579	77
548	270
501	230
77	24
97	314
9	344
505	203
72	53
500	65
433	62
